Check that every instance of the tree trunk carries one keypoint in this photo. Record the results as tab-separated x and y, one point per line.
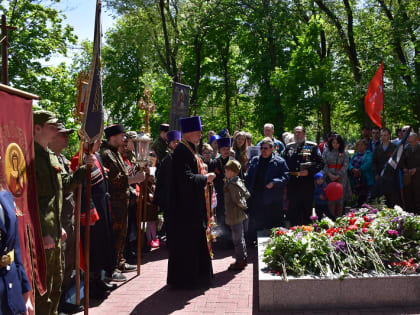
326	117
225	61
197	49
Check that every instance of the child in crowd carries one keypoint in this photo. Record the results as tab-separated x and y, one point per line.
236	195
321	201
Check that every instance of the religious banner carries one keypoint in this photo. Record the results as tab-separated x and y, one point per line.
180	101
17	174
93	117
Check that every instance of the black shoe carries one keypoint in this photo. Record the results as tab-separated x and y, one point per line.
116	276
104	285
69	308
127	268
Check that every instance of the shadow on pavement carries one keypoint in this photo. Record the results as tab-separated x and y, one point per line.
168	300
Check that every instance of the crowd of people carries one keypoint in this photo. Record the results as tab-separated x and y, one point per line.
212	193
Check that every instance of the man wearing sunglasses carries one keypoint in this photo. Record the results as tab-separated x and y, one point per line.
267	175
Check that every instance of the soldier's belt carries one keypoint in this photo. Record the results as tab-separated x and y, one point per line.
7	259
294	173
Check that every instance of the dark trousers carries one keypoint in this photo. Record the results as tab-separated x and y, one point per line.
238	238
300	205
119	227
412	195
262	217
48	303
322	210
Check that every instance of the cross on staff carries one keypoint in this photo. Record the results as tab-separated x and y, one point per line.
4	51
148	107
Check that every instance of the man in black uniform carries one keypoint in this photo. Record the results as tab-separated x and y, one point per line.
304	161
189	263
160	146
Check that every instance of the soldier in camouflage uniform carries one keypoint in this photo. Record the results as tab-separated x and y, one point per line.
119	181
50	181
59	143
160	146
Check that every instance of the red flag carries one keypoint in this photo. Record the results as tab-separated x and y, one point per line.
374	99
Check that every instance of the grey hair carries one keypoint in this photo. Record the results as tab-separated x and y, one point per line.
269	125
413	134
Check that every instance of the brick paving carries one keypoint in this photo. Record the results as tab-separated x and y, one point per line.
231	293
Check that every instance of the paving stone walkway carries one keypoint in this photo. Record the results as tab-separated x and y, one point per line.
231	293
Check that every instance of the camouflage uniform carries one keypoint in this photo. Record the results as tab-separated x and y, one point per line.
119	191
70	182
161	149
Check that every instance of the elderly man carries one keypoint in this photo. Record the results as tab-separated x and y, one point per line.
304	161
267	176
189	263
411	169
119	181
388	185
269	133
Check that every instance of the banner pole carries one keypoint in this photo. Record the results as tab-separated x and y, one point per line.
77	226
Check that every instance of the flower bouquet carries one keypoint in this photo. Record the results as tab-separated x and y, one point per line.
366	241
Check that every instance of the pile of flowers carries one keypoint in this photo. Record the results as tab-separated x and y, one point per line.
365	241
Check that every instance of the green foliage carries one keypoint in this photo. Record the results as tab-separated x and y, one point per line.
249	62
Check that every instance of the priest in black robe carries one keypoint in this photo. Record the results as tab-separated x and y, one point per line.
189	264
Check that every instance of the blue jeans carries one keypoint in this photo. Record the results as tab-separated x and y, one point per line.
238	231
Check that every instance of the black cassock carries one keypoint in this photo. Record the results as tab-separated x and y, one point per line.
101	237
189	262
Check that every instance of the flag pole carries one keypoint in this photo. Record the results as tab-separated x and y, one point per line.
141	208
77	227
87	233
383	111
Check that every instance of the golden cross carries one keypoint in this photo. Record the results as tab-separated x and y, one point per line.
148	106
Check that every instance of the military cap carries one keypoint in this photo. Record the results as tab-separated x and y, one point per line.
164	127
44	117
224	143
114	130
61	128
131	134
234	166
173	135
190	124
